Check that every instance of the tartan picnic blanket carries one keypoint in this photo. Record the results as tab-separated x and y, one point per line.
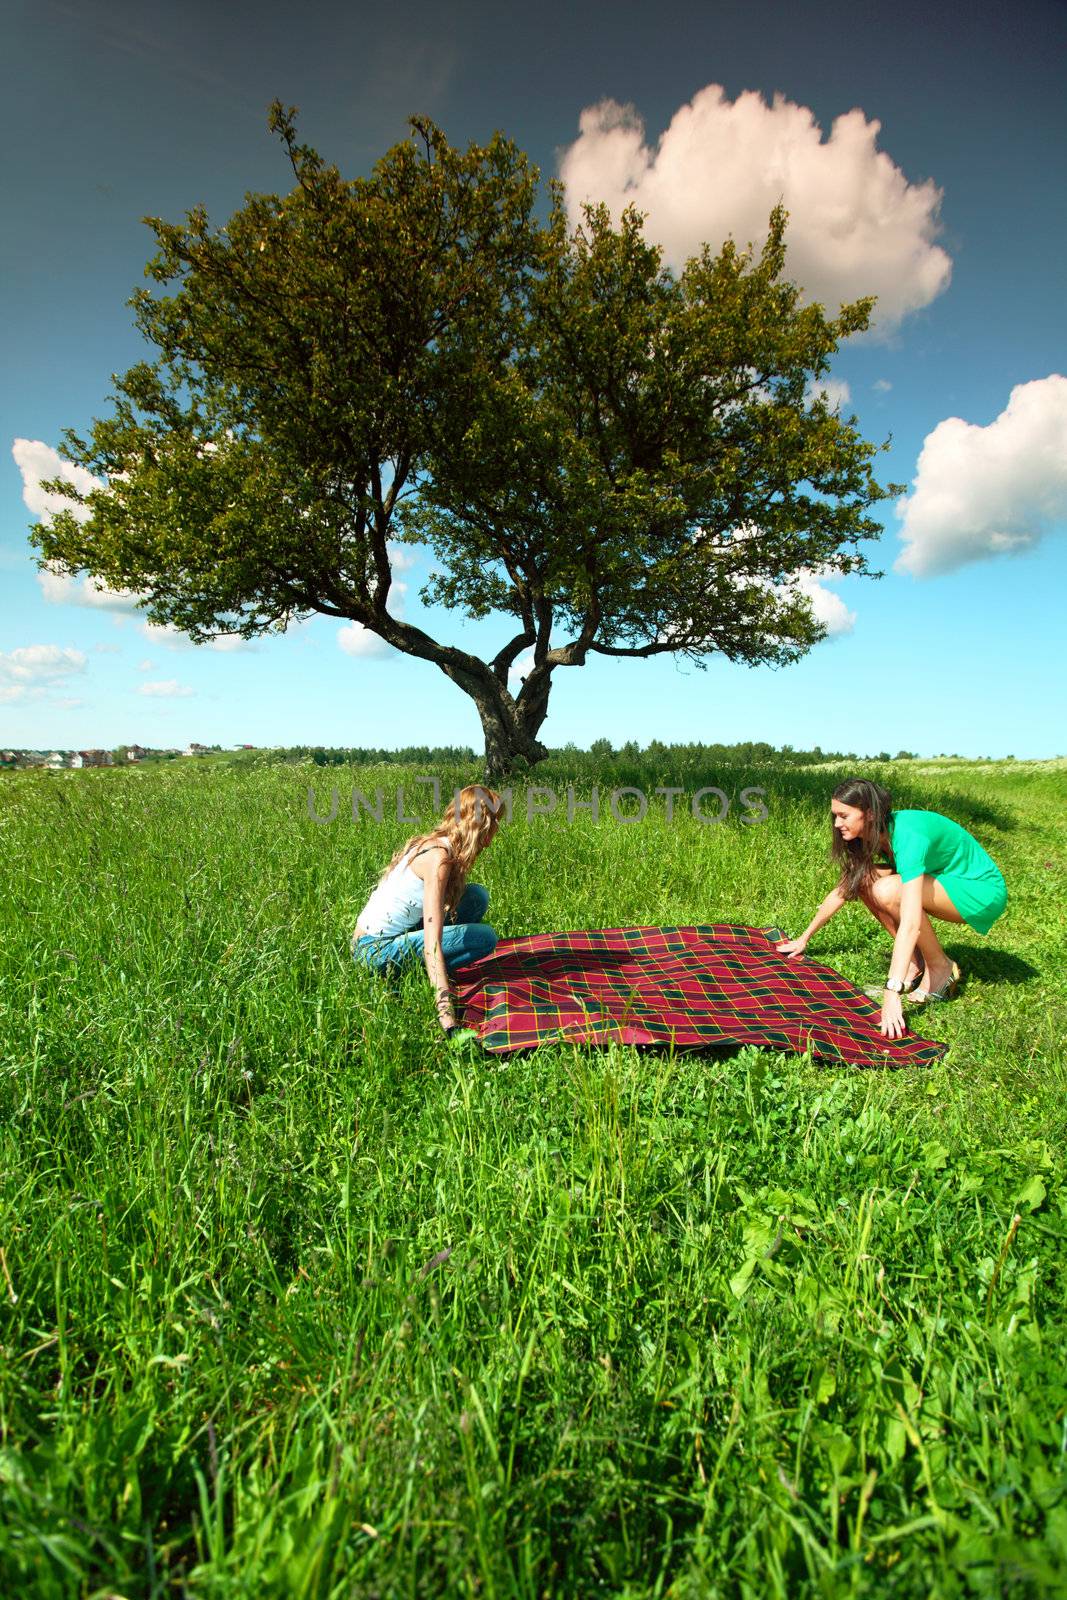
713	985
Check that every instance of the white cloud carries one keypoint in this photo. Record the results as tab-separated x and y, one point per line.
356	640
518	670
166	689
882	385
59	588
107	649
984	491
402	557
145	665
835	392
36	460
856	225
30	671
827	607
40	663
172	638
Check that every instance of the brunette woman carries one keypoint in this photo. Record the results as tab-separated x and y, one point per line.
423	905
907	867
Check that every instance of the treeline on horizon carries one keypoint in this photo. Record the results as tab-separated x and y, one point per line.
749	752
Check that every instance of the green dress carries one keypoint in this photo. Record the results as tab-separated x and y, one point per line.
926	842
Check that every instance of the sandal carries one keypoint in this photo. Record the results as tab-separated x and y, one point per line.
948	990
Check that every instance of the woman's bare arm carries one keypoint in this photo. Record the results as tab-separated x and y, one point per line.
911	914
829	908
434	876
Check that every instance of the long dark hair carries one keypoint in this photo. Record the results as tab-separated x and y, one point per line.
857	858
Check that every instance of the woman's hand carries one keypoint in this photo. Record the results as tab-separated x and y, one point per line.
445	1015
792	947
892	1016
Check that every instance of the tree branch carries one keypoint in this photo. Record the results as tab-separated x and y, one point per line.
656	648
504	659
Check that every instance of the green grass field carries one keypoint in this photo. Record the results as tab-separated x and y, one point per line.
297	1301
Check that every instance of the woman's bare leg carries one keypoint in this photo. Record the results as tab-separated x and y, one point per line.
878	904
885	905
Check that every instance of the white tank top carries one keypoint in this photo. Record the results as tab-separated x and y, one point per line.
396	905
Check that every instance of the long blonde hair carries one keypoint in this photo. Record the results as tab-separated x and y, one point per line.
467	826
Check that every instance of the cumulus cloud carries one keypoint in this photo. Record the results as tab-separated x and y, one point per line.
356	640
834	391
827	607
172	638
36	460
856	225
402	557
28	672
40	663
60	588
881	385
985	491
519	668
166	689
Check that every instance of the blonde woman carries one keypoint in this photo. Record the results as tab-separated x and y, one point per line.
423	904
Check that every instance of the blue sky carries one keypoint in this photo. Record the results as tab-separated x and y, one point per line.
116	111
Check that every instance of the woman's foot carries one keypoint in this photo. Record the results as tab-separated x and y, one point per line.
942	983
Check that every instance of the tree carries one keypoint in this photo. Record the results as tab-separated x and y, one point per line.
622	461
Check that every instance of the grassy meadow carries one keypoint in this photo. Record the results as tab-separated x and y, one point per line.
298	1300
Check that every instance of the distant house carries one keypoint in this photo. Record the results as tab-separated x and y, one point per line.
56	759
97	758
195	749
9	758
77	759
135	752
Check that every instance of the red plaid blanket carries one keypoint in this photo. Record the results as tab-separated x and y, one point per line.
715	985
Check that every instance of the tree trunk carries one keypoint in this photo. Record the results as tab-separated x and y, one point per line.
510	723
511	731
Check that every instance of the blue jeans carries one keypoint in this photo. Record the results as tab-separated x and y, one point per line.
463	939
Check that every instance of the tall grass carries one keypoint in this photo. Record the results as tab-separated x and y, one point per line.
297	1301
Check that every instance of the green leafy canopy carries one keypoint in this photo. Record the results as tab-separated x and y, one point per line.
620	459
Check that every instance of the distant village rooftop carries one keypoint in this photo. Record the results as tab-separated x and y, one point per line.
121	755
